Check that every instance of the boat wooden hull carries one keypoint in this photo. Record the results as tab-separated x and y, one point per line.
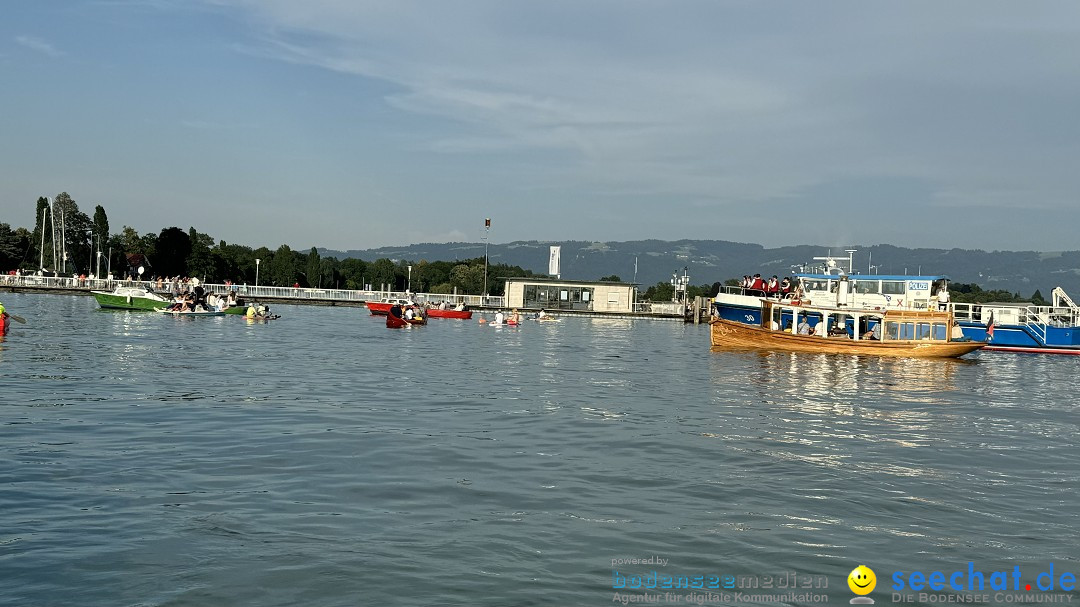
727	334
437	313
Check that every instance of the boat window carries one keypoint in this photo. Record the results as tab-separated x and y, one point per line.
893	287
867	286
907	330
940	332
892	330
815	285
923	330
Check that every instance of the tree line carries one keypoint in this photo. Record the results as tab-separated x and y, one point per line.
66	239
71	243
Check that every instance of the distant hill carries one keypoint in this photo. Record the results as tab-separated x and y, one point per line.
709	261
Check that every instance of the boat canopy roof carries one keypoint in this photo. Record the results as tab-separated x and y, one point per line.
869	277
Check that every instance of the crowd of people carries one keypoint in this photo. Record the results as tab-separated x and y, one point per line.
773	287
197	300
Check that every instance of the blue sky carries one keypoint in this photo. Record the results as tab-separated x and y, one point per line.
354	124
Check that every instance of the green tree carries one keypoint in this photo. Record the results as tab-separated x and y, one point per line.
661	291
355	273
313	268
612	278
384	273
173	252
329	277
200	261
100	236
42	229
283	267
13	245
468	279
74	228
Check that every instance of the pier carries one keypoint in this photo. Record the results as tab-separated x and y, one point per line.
330	297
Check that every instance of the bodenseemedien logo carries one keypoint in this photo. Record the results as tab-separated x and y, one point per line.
862	580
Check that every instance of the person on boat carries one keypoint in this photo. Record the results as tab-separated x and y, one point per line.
787	327
442	305
804	326
785	286
515	317
943	297
499	318
837	330
757	286
874	333
460	307
212	301
541	314
250	312
409	313
772	288
395	310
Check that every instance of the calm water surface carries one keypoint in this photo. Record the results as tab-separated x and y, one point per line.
323	459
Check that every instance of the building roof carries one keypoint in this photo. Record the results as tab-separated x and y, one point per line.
564	281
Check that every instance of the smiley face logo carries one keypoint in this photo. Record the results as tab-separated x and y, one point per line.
862	580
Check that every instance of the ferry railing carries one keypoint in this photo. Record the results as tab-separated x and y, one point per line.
967	312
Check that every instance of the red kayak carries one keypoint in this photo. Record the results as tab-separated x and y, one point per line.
437	313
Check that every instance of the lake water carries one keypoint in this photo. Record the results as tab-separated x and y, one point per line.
323	459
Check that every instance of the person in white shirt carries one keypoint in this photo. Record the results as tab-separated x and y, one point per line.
943	298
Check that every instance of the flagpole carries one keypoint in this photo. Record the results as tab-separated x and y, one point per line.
487	231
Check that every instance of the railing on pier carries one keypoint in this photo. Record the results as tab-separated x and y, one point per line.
249	291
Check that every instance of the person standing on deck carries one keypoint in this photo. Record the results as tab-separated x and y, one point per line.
943	297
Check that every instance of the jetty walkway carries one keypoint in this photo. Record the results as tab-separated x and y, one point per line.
332	297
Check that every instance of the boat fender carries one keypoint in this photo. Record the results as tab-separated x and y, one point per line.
129	298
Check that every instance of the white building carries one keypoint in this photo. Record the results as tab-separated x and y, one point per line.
579	295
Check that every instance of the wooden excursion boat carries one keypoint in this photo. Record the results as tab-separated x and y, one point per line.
890	332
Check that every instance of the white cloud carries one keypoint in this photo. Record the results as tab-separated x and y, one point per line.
38	45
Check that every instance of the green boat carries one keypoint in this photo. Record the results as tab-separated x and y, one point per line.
130	298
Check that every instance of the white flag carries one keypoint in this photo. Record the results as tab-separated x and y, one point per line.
553	262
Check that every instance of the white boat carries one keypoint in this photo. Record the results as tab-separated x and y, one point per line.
130	298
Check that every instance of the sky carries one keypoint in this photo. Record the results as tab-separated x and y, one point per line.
355	124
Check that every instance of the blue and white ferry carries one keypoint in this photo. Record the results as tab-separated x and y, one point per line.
829	284
1009	327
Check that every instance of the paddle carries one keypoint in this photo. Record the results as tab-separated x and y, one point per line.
17	318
